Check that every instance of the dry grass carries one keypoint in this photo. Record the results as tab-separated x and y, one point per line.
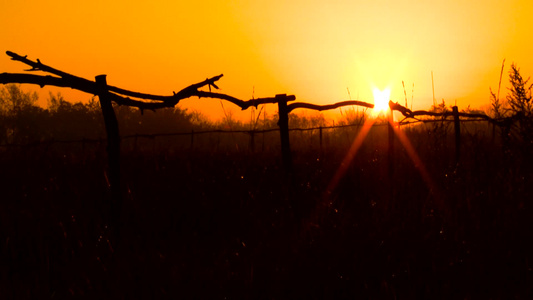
228	223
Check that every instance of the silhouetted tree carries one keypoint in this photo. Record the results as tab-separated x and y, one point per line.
20	117
165	120
352	116
71	121
13	99
304	120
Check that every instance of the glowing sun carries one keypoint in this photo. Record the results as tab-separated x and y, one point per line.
381	101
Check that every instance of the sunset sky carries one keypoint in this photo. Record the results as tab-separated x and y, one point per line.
316	50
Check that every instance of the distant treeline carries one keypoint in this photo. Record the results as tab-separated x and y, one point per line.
23	122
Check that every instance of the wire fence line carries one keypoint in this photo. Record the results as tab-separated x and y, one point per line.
403	123
216	131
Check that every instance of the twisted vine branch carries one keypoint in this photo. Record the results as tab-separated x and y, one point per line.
118	95
293	106
122	96
407	113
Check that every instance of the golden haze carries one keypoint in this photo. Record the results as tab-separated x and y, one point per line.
315	50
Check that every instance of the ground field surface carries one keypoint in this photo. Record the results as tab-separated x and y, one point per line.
206	219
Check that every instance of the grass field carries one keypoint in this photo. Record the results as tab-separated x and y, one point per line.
219	221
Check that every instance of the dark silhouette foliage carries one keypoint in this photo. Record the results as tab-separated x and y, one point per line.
521	105
19	117
518	109
23	122
519	98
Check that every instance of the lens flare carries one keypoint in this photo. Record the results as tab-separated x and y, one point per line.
359	139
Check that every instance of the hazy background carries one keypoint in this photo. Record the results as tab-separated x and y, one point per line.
315	50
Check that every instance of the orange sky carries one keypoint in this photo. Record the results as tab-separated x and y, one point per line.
315	50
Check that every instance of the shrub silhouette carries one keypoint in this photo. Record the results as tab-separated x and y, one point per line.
518	107
519	98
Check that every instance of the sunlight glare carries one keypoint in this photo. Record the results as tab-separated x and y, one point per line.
381	101
359	139
411	152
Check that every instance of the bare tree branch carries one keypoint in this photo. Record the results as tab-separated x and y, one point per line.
157	101
240	103
88	86
38	66
412	114
293	106
259	101
42	81
116	94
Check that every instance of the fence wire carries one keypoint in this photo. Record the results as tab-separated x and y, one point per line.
221	131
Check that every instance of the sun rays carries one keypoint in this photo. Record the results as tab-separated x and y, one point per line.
411	152
358	141
380	110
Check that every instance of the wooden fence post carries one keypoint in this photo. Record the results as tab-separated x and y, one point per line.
113	152
283	124
457	126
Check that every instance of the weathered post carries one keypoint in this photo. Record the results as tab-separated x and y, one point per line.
457	126
113	152
283	124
